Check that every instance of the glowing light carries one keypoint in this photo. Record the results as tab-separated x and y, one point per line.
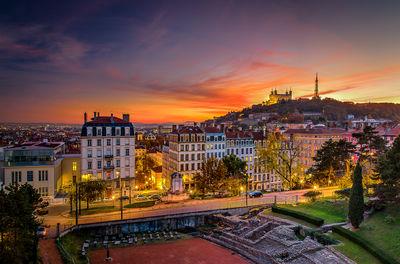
315	187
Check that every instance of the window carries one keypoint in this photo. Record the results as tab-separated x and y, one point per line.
29	176
182	167
43	175
118	132
118	142
99	142
89	153
182	157
118	152
118	163
89	165
99	153
89	131
108	142
99	132
99	164
108	131
89	142
126	152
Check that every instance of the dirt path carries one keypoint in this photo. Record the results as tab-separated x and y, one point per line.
49	252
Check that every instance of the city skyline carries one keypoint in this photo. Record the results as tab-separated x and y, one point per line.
179	61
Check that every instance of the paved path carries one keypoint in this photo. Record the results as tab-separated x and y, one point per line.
49	252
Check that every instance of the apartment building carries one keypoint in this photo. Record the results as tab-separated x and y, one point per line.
263	179
215	143
108	151
241	144
35	163
310	141
186	152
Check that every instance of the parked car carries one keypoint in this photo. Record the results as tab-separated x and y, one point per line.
155	197
255	194
41	231
124	197
141	197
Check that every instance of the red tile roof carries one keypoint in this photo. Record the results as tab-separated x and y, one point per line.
107	120
188	130
212	130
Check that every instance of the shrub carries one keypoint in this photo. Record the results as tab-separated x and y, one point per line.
371	248
141	204
308	218
343	193
389	219
312	195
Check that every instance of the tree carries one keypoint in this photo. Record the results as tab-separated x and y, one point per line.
91	190
236	169
20	211
144	164
388	169
356	203
281	156
331	162
211	177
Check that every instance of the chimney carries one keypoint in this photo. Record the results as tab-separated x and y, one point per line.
98	114
112	114
125	117
85	117
94	114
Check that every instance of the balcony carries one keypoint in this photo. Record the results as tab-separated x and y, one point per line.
108	168
108	156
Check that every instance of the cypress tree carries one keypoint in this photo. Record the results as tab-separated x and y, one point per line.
356	203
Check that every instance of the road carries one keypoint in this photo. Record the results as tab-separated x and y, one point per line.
59	213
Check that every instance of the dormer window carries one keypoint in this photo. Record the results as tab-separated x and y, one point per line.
99	132
118	131
108	131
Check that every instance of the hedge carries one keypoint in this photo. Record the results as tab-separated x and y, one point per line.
308	218
66	257
141	204
371	248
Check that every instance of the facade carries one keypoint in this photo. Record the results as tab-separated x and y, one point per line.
108	151
70	167
215	143
263	179
35	163
241	144
310	141
186	152
166	169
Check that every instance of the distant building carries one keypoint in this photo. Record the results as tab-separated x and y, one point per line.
35	163
276	97
215	143
140	151
108	151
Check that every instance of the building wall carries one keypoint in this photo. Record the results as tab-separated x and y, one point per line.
215	145
244	149
70	166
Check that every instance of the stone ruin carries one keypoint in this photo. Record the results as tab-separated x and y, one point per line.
267	239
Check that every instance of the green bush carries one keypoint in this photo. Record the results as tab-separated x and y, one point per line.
343	193
371	248
141	204
312	195
308	218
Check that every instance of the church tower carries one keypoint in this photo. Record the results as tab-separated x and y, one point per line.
316	93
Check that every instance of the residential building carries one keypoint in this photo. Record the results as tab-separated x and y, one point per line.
186	152
35	163
215	143
166	168
263	179
310	141
70	167
241	144
108	151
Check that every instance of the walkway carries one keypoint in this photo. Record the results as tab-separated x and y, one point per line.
49	252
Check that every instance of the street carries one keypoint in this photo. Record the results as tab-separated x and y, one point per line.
59	213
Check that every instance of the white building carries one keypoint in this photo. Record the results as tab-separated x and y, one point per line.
108	151
215	143
35	163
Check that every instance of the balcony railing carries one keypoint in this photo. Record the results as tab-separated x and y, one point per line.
108	156
108	168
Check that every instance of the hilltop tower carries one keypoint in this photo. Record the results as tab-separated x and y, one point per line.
316	93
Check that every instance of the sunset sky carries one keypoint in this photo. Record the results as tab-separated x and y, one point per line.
190	60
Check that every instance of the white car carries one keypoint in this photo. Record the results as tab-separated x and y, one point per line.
41	231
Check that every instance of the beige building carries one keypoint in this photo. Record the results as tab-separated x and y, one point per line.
275	97
70	167
38	164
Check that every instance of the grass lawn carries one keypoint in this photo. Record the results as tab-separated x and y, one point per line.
383	234
332	211
72	244
353	251
97	210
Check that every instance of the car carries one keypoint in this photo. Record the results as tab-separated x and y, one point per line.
124	197
141	197
155	197
41	231
255	194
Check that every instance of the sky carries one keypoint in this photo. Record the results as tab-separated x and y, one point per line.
174	61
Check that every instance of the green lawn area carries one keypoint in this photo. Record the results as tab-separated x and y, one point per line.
353	251
97	210
382	233
332	211
72	244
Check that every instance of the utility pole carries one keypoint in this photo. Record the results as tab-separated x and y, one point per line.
76	199
120	197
